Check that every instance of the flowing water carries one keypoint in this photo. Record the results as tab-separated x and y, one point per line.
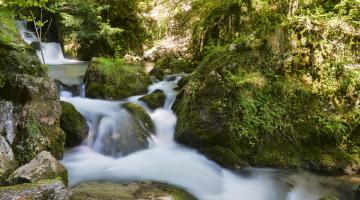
168	162
163	159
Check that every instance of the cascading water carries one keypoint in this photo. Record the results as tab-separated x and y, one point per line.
168	162
52	51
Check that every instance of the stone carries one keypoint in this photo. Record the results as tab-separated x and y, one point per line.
37	116
73	124
135	126
53	189
154	100
7	159
43	167
127	191
6	120
115	79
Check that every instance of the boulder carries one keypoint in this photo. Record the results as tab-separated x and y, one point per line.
7	159
44	166
140	115
128	191
73	124
154	100
37	116
134	127
114	79
53	189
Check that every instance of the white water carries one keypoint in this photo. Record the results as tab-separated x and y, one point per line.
168	162
52	51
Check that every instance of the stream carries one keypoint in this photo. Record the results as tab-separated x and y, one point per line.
164	160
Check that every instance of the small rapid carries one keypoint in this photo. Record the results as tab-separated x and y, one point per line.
166	161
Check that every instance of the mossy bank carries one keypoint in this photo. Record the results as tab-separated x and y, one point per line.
278	90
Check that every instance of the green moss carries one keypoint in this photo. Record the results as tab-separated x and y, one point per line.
239	99
115	79
73	124
140	114
155	99
37	137
224	156
26	186
179	194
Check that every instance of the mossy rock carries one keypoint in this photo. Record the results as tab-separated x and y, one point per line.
170	65
224	156
73	124
38	127
154	100
131	133
230	101
53	189
140	115
44	166
129	191
115	79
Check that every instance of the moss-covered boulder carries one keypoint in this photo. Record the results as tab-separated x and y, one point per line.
154	100
274	88
140	115
114	79
170	65
53	189
37	116
73	124
129	191
236	113
44	166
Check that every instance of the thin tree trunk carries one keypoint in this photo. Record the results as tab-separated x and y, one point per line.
38	36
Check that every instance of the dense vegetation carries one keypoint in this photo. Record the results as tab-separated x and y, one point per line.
275	86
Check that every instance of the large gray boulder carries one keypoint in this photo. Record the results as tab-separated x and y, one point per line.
7	159
44	166
43	190
134	126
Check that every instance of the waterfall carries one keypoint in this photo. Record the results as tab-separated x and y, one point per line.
169	162
52	51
